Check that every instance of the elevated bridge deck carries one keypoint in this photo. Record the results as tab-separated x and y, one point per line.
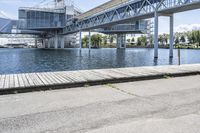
101	8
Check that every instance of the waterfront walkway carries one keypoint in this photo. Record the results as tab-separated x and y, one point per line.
170	105
26	82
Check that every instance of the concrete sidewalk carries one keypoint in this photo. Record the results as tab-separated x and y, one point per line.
160	105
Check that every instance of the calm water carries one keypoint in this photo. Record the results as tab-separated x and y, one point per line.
38	60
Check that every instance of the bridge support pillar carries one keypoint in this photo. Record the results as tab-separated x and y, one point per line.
80	40
155	35
36	43
89	38
171	38
121	41
49	43
56	42
62	41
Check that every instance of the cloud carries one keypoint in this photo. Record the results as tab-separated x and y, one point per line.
187	27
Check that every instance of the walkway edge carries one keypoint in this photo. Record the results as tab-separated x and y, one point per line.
160	72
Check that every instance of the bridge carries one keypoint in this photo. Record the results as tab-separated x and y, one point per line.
114	17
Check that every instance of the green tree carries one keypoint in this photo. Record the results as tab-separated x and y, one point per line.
128	40
142	41
85	41
177	40
161	39
182	39
96	40
165	38
111	38
133	39
105	40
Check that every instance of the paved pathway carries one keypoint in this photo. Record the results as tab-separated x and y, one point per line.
13	83
170	105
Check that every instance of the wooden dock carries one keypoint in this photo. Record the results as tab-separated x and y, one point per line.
26	82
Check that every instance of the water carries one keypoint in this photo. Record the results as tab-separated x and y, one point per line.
38	60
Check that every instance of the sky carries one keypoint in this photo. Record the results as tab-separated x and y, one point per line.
183	21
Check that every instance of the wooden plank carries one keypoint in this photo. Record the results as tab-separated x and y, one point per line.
59	77
41	77
90	76
21	82
2	81
31	82
35	79
6	82
76	76
65	76
44	79
16	81
50	78
12	81
26	83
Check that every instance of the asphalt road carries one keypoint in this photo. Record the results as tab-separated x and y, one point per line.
170	105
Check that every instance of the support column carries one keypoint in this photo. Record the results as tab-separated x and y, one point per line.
36	43
80	41
49	43
56	42
121	41
124	37
89	45
171	38
62	39
155	35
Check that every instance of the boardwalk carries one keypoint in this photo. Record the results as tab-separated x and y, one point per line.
13	83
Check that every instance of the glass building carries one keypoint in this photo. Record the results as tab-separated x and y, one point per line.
41	18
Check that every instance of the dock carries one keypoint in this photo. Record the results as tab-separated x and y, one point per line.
27	82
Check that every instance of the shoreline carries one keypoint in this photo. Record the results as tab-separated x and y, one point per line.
29	82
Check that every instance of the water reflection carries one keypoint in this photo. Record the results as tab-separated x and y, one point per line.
38	60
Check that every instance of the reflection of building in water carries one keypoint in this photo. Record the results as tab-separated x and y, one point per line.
17	45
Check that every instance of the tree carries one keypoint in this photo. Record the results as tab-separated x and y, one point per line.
85	41
177	40
96	40
111	38
142	41
128	40
165	38
139	41
161	39
133	39
182	39
189	37
105	42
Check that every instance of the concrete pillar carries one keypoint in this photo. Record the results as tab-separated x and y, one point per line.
121	41
155	35
89	46
49	43
171	36
36	43
62	39
124	40
80	41
56	41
